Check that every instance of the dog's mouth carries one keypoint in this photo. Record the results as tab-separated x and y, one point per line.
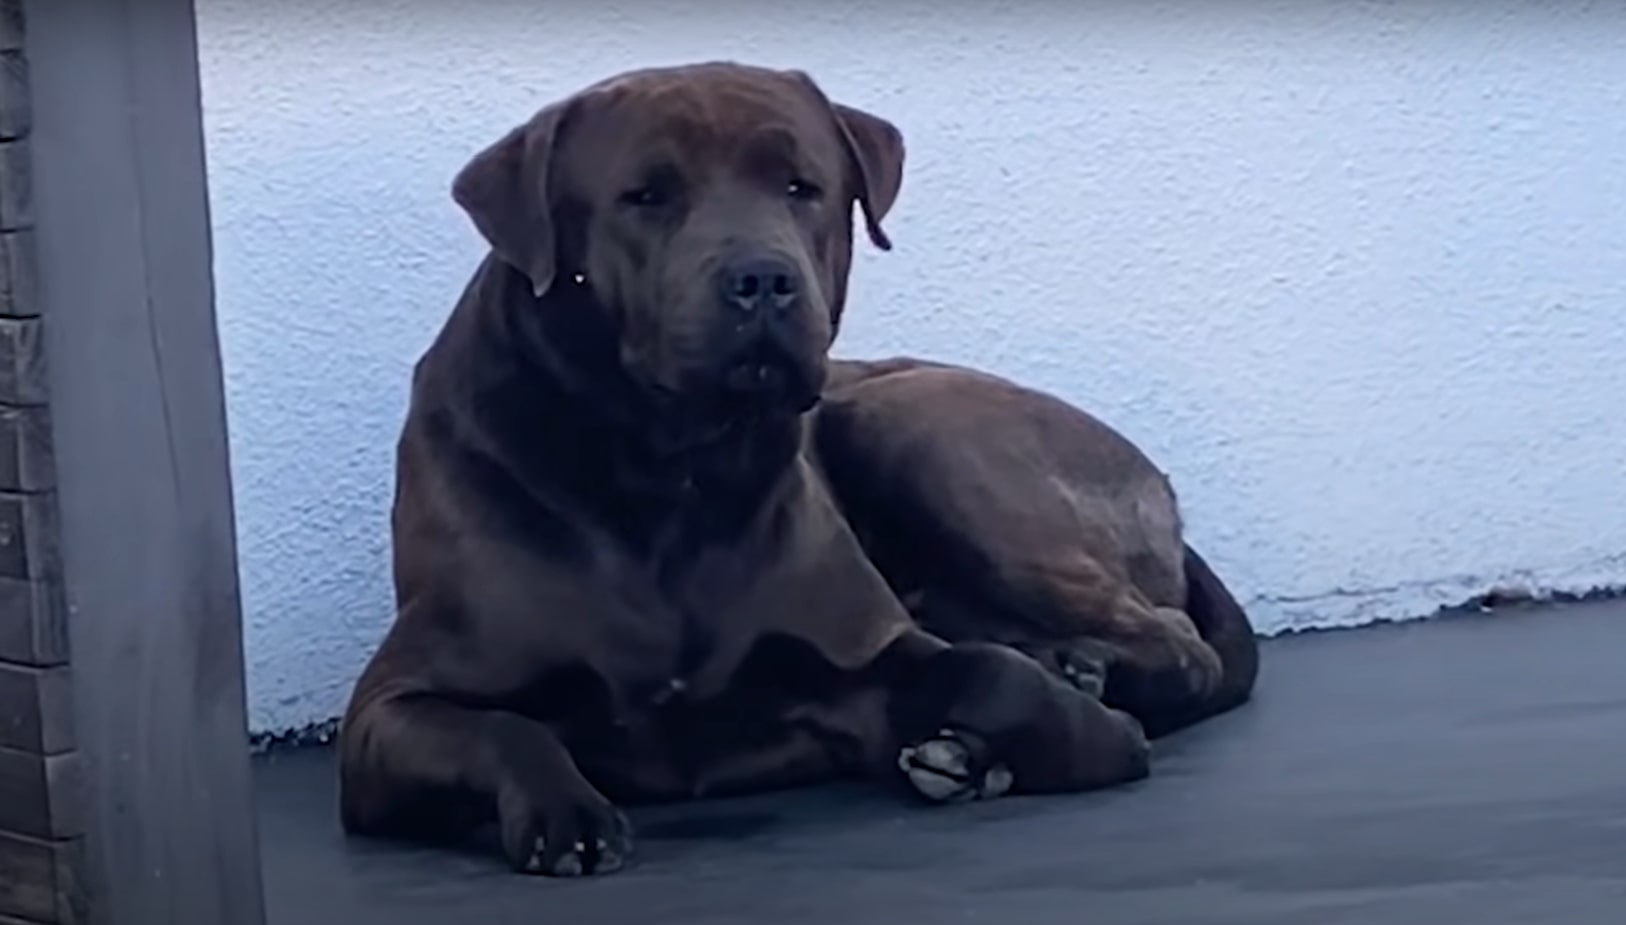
757	376
767	377
748	388
752	381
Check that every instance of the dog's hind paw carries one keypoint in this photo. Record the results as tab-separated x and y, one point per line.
1086	673
954	767
1080	663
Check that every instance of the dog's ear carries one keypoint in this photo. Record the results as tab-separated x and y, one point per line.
504	190
875	153
876	148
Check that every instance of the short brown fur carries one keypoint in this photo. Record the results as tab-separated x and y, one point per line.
637	559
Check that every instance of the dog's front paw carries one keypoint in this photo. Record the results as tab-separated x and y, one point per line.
954	767
570	837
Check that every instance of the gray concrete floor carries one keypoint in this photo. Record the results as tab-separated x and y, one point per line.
1466	769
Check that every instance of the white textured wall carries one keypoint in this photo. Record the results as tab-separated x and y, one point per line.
1355	273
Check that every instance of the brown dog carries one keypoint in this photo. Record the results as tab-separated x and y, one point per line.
622	570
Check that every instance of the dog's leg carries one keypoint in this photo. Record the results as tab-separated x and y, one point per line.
979	719
1149	661
1086	626
1026	522
400	755
1161	663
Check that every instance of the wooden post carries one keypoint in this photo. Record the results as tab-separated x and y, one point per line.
125	791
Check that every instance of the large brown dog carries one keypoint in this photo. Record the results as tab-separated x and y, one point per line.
633	563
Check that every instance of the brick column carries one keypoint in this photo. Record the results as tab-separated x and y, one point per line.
40	826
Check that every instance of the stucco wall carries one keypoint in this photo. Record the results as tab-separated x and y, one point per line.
1354	273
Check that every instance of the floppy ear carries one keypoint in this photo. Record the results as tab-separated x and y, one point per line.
876	146
504	190
875	150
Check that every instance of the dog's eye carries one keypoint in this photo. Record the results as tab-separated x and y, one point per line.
803	190
644	197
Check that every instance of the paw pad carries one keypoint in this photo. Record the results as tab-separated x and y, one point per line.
945	769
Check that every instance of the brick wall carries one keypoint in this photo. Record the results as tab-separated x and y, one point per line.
40	824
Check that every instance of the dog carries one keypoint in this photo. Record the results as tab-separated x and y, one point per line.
651	543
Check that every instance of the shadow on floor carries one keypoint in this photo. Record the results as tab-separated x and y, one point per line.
1468	769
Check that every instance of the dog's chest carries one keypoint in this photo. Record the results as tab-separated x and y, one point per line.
659	648
686	691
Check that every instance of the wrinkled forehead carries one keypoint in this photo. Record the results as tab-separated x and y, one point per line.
739	123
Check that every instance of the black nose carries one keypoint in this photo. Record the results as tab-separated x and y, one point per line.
752	284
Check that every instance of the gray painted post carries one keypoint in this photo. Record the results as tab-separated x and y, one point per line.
121	676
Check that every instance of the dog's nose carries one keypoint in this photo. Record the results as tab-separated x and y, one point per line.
753	284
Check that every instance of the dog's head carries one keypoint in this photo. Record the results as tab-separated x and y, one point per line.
706	210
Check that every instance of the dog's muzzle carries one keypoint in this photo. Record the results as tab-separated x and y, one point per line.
762	297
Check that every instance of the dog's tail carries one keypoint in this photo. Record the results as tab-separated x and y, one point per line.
1222	623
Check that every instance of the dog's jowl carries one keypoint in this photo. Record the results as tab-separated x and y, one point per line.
651	542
